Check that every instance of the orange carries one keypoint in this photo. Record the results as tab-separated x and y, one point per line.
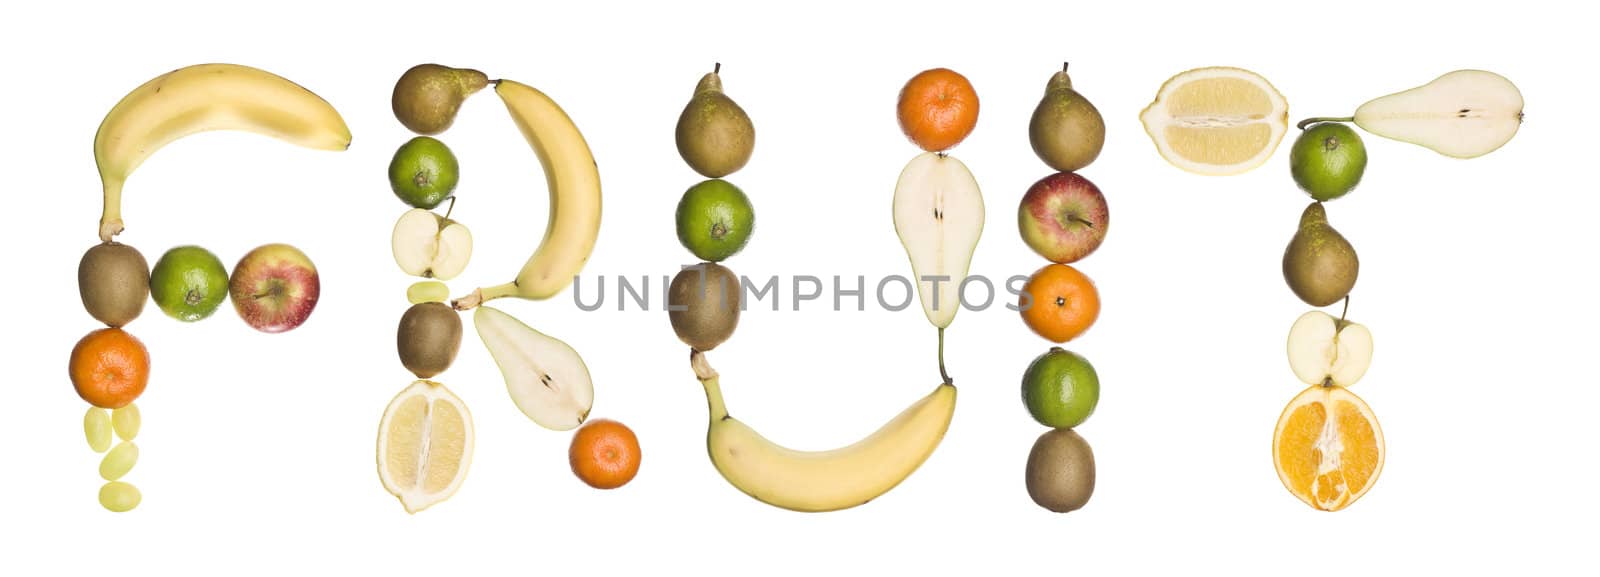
1328	447
1059	303
604	454
938	109
109	368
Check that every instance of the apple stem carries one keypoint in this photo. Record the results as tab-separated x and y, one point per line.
1076	218
452	208
942	372
1346	309
1315	119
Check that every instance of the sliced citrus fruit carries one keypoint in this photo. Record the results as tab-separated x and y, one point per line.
424	445
1216	120
1328	447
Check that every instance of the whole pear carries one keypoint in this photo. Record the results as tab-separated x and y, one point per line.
1066	130
1319	264
715	136
427	97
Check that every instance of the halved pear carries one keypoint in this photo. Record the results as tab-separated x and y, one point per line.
546	378
938	214
430	246
1324	350
1462	114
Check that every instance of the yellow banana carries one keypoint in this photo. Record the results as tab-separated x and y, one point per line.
573	180
824	480
200	98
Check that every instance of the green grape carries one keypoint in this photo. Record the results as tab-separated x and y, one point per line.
126	421
97	429
119	497
427	291
119	461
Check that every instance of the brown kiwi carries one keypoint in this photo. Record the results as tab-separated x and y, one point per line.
428	339
1060	471
703	304
114	282
427	96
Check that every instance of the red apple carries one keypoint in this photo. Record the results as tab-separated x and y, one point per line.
1063	217
274	288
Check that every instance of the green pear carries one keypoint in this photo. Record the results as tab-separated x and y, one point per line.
1066	130
714	135
1319	264
427	96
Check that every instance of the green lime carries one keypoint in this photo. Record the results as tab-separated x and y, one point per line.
714	220
1327	160
188	283
1060	389
423	172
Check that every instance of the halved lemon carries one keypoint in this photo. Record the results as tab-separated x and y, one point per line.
1217	120
424	445
1328	447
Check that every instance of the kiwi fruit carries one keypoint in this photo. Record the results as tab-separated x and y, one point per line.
703	303
428	339
1319	265
427	96
714	135
1060	471
114	282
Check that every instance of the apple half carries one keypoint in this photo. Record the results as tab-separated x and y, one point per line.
431	246
1324	350
938	215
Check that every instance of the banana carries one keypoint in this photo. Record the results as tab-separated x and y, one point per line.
573	180
201	98
824	480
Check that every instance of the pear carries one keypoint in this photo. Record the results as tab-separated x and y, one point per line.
546	378
1319	264
1066	130
938	215
714	134
427	96
1462	114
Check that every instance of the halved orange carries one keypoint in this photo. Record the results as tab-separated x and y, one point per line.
1328	447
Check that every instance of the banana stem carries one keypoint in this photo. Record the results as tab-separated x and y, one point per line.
1315	119
111	213
483	295
942	372
711	381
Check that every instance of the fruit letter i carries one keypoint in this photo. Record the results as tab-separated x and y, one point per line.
1328	447
109	367
714	220
1064	218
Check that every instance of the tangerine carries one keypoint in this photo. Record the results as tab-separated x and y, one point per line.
1059	303
604	454
938	108
109	368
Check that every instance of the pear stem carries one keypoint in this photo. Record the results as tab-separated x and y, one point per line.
1064	66
942	372
1315	119
717	69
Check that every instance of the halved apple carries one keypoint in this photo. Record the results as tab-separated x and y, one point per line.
431	246
1324	350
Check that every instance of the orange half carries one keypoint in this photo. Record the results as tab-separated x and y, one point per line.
1328	447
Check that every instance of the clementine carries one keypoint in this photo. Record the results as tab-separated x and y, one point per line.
938	108
604	454
1059	303
109	368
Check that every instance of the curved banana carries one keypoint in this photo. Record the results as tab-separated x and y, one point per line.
823	480
201	98
574	183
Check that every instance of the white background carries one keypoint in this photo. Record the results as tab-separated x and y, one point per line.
257	450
